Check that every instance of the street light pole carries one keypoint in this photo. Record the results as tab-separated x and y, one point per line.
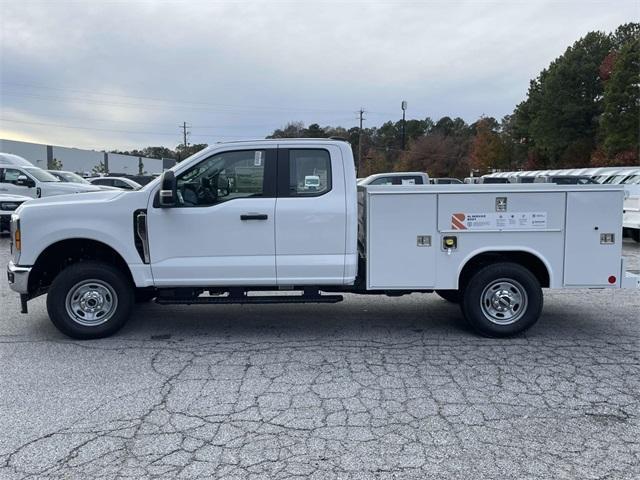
404	123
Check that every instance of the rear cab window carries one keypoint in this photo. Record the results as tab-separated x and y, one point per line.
309	172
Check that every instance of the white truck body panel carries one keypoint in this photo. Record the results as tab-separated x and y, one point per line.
561	226
314	241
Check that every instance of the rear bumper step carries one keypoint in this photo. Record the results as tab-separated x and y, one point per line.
258	299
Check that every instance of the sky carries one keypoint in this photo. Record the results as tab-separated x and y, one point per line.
123	74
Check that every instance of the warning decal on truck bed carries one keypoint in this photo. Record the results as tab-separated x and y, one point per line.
499	221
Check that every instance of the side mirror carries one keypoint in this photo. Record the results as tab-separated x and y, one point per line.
168	190
25	181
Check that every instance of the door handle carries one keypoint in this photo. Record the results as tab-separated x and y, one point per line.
254	216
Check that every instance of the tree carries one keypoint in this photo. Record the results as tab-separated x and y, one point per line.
98	169
564	103
375	161
291	130
620	124
55	164
185	151
437	154
487	150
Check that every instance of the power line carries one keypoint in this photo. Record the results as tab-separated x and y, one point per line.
185	103
80	127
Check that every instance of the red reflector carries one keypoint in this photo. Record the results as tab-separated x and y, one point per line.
612	279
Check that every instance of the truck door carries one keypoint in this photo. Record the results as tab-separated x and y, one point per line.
222	231
9	183
310	216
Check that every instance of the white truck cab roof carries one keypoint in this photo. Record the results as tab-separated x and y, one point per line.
9	159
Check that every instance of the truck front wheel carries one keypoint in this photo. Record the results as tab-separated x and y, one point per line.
90	300
502	299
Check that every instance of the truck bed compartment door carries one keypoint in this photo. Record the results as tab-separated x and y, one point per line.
589	257
399	255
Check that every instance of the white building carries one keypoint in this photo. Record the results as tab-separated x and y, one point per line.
83	161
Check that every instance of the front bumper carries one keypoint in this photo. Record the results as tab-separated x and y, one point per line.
18	278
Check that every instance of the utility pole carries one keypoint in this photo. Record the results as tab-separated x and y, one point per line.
361	115
184	127
404	123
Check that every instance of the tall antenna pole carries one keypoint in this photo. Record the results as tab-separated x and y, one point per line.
404	123
361	112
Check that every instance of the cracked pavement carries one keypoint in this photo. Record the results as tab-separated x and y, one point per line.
372	388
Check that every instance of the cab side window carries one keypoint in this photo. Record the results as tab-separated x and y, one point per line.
309	172
382	181
121	184
11	175
223	177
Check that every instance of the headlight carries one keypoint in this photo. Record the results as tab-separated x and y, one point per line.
16	235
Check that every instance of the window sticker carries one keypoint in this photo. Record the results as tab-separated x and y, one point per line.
257	159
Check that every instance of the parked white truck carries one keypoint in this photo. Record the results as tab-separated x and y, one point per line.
19	177
238	220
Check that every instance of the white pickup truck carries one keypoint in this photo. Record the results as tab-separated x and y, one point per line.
239	220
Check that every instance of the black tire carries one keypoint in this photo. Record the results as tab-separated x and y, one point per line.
635	234
109	289
507	286
452	296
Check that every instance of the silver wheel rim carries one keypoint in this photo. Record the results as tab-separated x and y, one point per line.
91	302
504	301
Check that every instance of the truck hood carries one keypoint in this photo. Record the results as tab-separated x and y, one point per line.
9	197
97	196
60	188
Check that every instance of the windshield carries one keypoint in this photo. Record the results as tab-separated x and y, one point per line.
41	175
614	180
632	180
72	177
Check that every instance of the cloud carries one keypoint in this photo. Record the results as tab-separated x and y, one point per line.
130	72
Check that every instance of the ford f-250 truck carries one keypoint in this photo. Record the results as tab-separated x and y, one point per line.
238	220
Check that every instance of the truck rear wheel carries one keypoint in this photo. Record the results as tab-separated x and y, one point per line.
90	300
502	299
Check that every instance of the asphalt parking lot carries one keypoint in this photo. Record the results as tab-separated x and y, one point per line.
370	388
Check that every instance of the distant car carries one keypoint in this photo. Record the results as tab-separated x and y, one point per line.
565	179
522	179
142	179
444	181
494	180
8	205
70	177
396	178
118	182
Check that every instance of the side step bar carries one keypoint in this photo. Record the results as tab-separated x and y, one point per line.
258	299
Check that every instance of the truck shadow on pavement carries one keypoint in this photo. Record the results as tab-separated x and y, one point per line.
380	318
